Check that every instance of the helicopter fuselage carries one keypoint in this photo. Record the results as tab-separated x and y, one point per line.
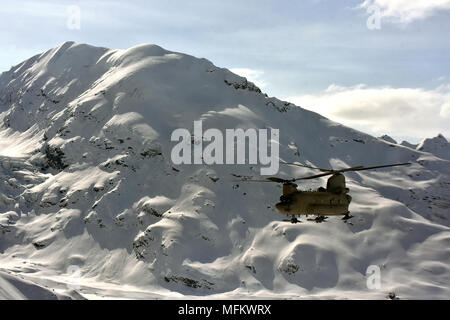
332	201
320	203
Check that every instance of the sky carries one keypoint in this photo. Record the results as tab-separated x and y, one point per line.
379	66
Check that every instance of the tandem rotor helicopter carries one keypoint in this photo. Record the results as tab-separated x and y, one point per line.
333	200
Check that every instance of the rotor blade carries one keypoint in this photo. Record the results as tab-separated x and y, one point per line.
270	179
250	180
315	176
359	168
385	166
330	173
348	169
326	173
321	169
278	180
304	166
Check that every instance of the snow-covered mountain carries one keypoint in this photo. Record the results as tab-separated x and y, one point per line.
92	206
388	139
439	146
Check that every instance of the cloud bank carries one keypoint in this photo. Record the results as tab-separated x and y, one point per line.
413	113
406	11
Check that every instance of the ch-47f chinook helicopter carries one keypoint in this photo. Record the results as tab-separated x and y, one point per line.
333	200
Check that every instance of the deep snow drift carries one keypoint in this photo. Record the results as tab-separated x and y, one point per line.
91	205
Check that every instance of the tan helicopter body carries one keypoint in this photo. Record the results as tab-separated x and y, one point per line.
332	201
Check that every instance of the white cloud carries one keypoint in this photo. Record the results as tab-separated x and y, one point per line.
445	111
399	112
252	75
406	11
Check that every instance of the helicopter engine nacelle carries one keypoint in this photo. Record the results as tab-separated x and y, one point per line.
336	184
289	188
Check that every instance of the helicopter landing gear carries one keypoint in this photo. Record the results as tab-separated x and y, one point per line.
319	219
293	220
347	217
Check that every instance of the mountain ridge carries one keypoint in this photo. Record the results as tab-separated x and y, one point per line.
87	181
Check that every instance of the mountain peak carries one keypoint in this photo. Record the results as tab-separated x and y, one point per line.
388	139
438	146
86	162
441	137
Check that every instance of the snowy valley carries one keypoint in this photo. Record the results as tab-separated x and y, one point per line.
91	205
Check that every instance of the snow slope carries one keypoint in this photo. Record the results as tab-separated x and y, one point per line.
409	145
91	205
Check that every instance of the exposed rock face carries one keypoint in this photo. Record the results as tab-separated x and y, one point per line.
388	139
